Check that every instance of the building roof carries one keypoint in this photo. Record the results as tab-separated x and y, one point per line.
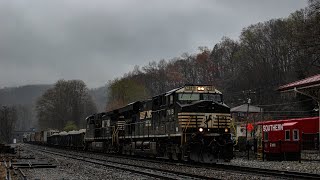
287	120
312	81
244	108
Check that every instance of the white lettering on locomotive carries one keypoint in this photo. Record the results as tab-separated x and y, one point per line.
145	115
274	127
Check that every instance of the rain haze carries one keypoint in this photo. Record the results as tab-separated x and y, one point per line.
42	41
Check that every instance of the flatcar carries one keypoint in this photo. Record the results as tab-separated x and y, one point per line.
284	139
188	123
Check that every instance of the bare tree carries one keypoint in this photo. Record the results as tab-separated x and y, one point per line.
66	101
8	117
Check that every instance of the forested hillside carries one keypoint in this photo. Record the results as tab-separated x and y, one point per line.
22	95
99	96
23	98
266	55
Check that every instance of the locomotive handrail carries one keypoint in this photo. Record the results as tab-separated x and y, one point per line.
114	134
184	131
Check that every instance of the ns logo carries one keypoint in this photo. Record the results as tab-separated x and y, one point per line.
208	118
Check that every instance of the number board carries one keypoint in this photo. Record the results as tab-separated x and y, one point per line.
190	88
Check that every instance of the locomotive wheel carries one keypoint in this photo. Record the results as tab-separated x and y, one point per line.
208	157
174	156
202	155
179	156
168	155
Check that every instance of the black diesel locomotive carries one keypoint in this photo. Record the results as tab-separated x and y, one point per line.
187	123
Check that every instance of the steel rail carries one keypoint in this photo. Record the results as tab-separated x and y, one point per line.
144	170
227	167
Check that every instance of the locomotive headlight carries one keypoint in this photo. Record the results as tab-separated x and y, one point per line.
200	129
226	130
200	88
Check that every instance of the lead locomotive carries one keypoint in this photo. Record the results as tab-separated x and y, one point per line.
188	123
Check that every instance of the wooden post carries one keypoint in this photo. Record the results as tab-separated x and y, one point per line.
263	150
300	144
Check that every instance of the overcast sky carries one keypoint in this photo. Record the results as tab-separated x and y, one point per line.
42	41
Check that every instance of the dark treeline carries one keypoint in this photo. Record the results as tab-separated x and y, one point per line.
267	55
8	118
23	99
65	106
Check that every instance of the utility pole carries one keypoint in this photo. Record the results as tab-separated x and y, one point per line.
249	92
249	101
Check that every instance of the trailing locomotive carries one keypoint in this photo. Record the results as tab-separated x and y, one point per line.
187	123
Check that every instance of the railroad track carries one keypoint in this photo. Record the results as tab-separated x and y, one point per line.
9	171
220	167
228	167
143	170
269	172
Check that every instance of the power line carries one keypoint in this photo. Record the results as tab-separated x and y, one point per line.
285	111
265	105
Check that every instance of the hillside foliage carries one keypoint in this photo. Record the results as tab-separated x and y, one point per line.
266	55
8	118
68	101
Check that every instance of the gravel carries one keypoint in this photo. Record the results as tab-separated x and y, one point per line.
74	169
304	166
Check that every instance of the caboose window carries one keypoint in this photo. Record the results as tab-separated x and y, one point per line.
295	134
287	134
266	136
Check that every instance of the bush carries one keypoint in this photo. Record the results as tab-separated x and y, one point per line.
70	126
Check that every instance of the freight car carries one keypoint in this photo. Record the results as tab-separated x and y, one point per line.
284	139
71	139
188	123
38	137
76	139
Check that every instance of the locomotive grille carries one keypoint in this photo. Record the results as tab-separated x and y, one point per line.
120	125
210	120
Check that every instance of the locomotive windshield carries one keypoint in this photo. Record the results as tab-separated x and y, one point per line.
189	97
212	97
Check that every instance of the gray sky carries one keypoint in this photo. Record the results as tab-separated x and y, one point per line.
42	41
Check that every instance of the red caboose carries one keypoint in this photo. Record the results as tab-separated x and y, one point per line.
285	139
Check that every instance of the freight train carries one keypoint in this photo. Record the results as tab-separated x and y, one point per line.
187	123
